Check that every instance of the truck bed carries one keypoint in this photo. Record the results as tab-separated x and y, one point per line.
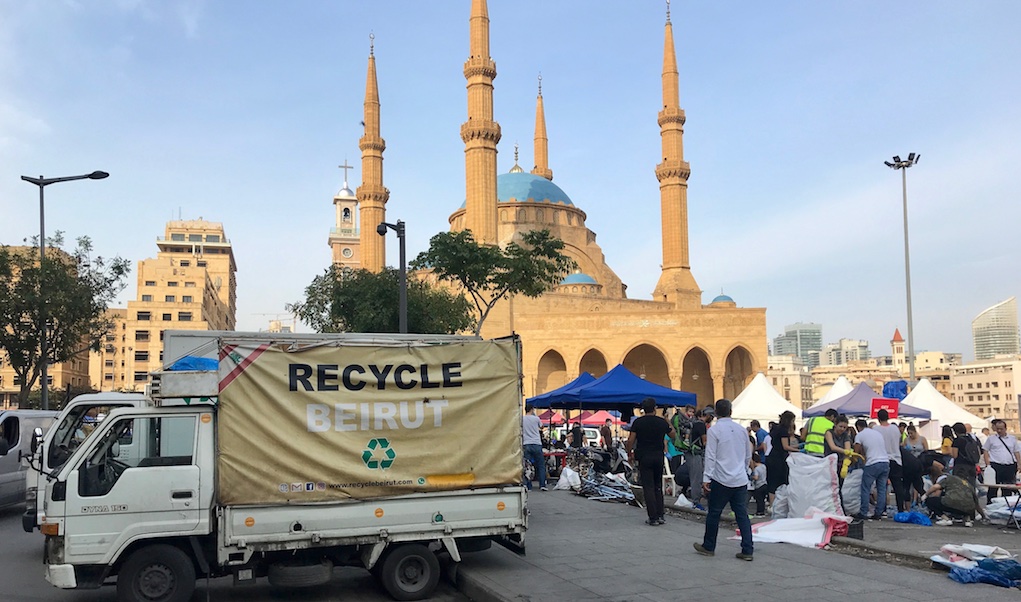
462	513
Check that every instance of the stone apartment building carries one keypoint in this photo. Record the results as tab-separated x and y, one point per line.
989	388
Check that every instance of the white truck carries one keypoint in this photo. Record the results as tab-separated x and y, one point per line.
380	451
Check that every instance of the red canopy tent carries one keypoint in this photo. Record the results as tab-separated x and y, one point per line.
598	418
551	417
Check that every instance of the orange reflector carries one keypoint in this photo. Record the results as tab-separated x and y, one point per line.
206	418
379	513
249	522
50	528
501	506
451	480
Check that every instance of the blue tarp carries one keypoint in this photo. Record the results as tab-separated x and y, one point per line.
895	389
618	389
542	401
859	403
194	362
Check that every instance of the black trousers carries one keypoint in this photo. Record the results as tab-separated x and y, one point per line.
1006	474
899	490
759	495
650	472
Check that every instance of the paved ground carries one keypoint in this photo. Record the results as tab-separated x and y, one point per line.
584	550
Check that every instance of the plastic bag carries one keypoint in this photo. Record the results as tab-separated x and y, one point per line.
569	479
851	492
781	507
813	484
915	518
1008	568
683	502
979	575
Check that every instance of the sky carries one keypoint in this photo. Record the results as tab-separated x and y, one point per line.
240	113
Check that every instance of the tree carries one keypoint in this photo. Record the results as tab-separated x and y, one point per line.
78	289
490	273
346	300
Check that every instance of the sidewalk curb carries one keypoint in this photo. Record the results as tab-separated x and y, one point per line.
475	585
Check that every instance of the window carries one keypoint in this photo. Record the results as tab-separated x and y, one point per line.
194	238
141	356
108	376
150	283
163	442
185	263
170	298
201	263
109	338
184	316
108	364
168	317
172	283
147	298
189	285
141	335
177	236
186	299
141	376
212	238
10	431
144	316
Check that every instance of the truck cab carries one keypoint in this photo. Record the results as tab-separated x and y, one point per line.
17	428
52	448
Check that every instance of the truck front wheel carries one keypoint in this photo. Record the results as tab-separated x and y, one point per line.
158	573
410	572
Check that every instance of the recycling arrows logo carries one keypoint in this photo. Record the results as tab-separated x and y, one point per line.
376	448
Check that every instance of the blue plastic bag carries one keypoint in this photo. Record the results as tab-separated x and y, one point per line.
1006	567
194	362
915	518
977	575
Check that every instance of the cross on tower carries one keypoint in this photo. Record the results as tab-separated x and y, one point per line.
345	167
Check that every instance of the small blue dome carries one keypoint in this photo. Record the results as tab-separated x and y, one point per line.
723	299
520	187
579	278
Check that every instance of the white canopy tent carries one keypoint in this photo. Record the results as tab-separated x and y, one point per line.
840	387
925	396
760	401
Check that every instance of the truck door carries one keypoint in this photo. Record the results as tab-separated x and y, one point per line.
12	477
112	500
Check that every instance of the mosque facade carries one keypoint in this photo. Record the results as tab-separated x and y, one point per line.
586	323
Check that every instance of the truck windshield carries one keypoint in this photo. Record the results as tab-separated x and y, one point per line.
75	427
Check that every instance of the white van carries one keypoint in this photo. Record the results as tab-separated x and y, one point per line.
16	428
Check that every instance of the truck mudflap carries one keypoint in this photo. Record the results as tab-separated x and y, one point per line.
515	542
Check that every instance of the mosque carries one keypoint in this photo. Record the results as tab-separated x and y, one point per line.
587	323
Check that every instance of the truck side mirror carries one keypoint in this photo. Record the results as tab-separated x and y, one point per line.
37	440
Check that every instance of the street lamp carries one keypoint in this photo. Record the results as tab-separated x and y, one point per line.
402	275
43	182
903	165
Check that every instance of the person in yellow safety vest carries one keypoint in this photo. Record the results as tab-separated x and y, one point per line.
815	433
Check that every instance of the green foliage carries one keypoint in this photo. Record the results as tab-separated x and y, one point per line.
77	290
345	300
488	273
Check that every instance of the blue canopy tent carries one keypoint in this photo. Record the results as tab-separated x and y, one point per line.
543	401
859	403
618	389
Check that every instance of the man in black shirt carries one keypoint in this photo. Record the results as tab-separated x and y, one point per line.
577	436
695	453
647	444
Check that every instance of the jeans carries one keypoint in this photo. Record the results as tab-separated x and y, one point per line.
533	453
650	473
874	474
719	497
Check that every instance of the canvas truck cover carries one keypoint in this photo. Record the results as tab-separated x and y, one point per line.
328	423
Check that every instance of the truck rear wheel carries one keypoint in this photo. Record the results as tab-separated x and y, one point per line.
158	573
410	572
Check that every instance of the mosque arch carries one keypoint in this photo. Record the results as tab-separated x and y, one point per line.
696	375
738	371
551	372
648	362
522	215
503	215
539	216
593	362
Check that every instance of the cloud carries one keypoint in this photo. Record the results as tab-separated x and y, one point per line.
189	14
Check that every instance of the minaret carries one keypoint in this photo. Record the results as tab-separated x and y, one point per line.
676	283
372	195
480	133
541	168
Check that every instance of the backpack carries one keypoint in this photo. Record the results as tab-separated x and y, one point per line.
958	495
682	426
970	453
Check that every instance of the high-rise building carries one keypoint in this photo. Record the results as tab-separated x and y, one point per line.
995	331
802	340
845	351
190	285
791	378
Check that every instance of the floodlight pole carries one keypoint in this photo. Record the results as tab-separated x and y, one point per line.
903	166
402	274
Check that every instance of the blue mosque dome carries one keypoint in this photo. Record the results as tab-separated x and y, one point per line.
521	187
578	278
722	299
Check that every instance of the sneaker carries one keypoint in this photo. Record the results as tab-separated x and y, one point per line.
652	522
701	550
858	517
699	507
743	556
661	521
944	522
968	523
543	489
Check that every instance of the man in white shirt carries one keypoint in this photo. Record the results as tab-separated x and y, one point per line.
892	436
870	443
1002	453
531	445
728	456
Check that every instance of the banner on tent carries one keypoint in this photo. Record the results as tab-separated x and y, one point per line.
883	403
